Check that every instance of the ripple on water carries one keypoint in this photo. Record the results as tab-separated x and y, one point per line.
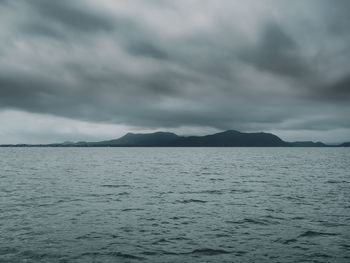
187	201
311	233
115	185
208	252
132	209
250	221
210	192
124	255
98	254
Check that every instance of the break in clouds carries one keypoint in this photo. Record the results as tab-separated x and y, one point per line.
84	69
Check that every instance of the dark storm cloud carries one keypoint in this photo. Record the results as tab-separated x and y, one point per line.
339	90
337	15
71	15
277	52
146	49
342	87
222	64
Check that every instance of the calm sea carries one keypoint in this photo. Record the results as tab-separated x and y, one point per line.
174	205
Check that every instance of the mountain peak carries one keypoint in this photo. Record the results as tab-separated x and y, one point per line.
230	132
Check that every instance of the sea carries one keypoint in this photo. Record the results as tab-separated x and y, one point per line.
174	205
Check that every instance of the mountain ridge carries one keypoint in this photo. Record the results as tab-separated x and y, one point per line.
229	138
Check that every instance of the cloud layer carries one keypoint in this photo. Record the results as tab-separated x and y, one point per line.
150	64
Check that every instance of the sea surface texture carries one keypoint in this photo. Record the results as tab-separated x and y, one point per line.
174	205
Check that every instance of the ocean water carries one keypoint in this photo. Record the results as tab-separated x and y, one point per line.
174	205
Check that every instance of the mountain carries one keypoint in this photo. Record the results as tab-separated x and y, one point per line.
233	138
230	138
148	139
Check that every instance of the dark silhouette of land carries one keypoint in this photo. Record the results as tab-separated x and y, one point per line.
345	144
228	138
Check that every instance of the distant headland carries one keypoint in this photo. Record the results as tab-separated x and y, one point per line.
230	138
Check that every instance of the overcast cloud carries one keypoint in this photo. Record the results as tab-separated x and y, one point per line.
86	70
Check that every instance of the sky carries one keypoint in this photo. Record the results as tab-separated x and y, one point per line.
88	70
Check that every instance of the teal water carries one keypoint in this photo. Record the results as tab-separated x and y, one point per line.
174	205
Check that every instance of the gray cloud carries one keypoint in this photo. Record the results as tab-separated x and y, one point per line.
71	15
276	52
340	89
277	65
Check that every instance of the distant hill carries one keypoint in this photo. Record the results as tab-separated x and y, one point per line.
233	139
230	138
223	139
308	144
148	139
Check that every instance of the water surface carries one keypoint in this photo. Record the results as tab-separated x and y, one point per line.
175	205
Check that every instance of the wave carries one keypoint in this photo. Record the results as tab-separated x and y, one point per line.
192	201
124	255
241	191
204	192
132	209
274	217
335	181
320	255
201	252
39	256
161	241
288	241
209	251
316	234
249	221
112	254
95	235
115	185
8	250
123	193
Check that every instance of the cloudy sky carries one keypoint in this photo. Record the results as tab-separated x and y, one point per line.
90	70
